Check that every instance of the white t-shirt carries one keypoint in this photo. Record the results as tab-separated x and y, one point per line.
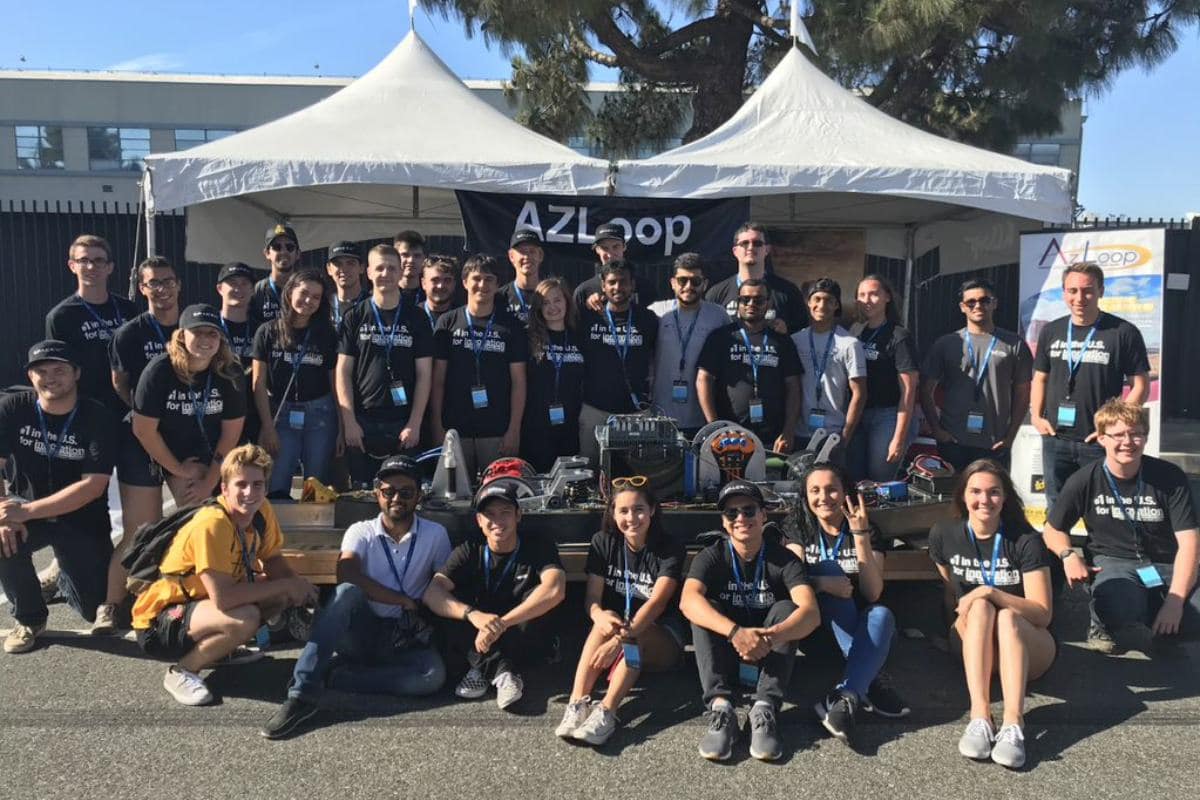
846	362
417	557
708	318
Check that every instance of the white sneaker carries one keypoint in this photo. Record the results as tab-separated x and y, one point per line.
976	741
22	638
1009	749
509	688
573	717
105	623
598	727
186	687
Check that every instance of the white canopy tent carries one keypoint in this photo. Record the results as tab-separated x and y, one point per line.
342	168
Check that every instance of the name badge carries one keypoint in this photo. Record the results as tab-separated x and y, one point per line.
399	394
296	419
558	414
679	393
974	422
748	674
816	419
1066	415
756	410
1149	576
479	398
632	654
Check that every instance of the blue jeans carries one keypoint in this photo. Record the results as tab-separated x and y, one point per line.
83	557
863	635
1120	599
1061	458
348	626
313	444
866	454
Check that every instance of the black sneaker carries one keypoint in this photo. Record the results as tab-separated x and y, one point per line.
287	718
764	733
717	742
883	699
838	713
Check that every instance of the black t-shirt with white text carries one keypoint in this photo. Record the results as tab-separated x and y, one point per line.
563	346
265	301
163	396
498	587
1116	350
846	554
516	300
240	336
607	558
88	329
889	350
454	342
609	379
787	303
136	343
644	292
950	546
726	357
375	368
89	448
1164	508
319	345
747	604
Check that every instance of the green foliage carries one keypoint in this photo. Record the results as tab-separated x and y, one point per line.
549	86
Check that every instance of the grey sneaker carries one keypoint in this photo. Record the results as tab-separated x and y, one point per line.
764	733
48	582
717	742
573	717
976	741
1100	640
23	638
1009	749
186	686
598	727
472	686
106	622
509	688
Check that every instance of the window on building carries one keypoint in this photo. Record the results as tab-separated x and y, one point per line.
1038	152
190	137
39	147
118	148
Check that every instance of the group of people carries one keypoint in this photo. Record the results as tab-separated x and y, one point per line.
291	371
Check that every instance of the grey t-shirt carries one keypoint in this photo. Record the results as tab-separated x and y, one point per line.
846	361
948	363
671	334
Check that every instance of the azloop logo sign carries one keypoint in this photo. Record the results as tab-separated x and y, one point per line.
1106	256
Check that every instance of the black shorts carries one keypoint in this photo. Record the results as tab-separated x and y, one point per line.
167	637
134	467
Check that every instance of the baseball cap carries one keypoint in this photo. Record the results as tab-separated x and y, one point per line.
608	231
499	488
523	235
51	350
286	231
399	465
235	269
344	249
739	489
826	285
198	316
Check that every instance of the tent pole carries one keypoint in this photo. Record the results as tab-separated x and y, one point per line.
910	247
148	201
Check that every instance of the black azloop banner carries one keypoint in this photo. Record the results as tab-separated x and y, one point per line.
656	231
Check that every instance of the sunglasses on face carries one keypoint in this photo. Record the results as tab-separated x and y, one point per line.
751	299
688	280
391	492
288	246
635	481
982	302
749	512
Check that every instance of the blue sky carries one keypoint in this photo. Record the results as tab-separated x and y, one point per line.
1140	151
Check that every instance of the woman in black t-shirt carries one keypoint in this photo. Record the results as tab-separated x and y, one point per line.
634	571
550	425
999	572
190	404
294	359
842	557
892	380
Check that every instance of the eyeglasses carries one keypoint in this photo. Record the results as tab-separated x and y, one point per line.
748	512
288	246
751	299
688	280
634	481
1127	436
750	244
160	285
982	302
89	262
391	492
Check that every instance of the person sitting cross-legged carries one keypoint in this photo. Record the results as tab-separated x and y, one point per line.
373	622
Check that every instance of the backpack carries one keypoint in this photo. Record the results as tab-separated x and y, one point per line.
143	559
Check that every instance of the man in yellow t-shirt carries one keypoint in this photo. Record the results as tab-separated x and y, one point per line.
221	578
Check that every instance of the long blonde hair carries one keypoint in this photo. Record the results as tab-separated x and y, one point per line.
224	363
539	334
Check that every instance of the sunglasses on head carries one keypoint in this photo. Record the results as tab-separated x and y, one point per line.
740	511
634	481
288	246
982	302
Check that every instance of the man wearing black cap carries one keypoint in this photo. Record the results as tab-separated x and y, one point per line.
345	269
751	248
58	448
374	619
235	283
525	254
749	602
282	253
609	245
500	590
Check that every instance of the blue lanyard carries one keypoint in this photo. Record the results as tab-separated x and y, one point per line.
1074	364
487	568
557	361
390	333
274	290
478	345
819	367
684	339
299	362
248	553
980	377
520	298
162	336
52	450
120	320
1125	515
386	542
200	403
737	573
753	356
622	347
989	575
628	589
827	554
429	314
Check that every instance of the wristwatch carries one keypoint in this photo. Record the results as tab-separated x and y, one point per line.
1065	554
